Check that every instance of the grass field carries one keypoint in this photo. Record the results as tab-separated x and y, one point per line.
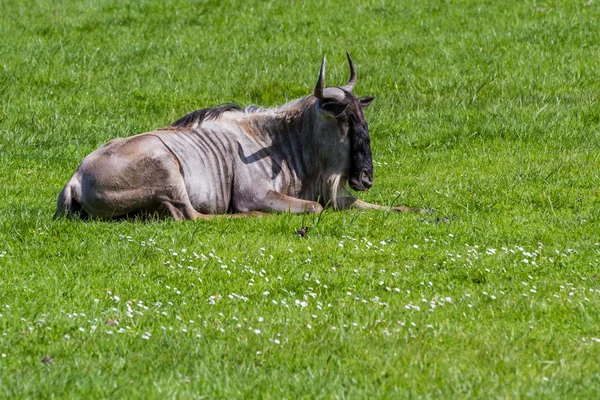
487	112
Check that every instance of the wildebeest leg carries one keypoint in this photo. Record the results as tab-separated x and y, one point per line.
351	202
369	206
182	209
177	201
275	201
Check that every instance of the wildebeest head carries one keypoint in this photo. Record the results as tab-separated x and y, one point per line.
347	110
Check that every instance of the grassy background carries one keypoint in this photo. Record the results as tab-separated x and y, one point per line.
486	112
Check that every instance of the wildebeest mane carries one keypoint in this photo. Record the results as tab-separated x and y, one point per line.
205	114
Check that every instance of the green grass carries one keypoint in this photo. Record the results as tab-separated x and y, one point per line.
487	112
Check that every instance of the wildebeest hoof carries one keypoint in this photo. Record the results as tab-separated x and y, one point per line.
314	208
302	231
446	219
407	209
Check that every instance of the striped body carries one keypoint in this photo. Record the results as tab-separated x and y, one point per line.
227	162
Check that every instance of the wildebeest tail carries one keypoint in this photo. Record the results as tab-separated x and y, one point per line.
68	204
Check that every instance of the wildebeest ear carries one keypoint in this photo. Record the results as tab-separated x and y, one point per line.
334	107
366	101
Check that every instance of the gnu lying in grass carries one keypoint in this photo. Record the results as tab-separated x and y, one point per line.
297	157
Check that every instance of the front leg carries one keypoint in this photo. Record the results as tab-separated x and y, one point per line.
352	202
368	206
275	201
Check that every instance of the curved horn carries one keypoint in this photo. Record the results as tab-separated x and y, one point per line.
352	81
321	82
321	92
334	93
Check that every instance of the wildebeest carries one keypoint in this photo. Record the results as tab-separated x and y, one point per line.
297	157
